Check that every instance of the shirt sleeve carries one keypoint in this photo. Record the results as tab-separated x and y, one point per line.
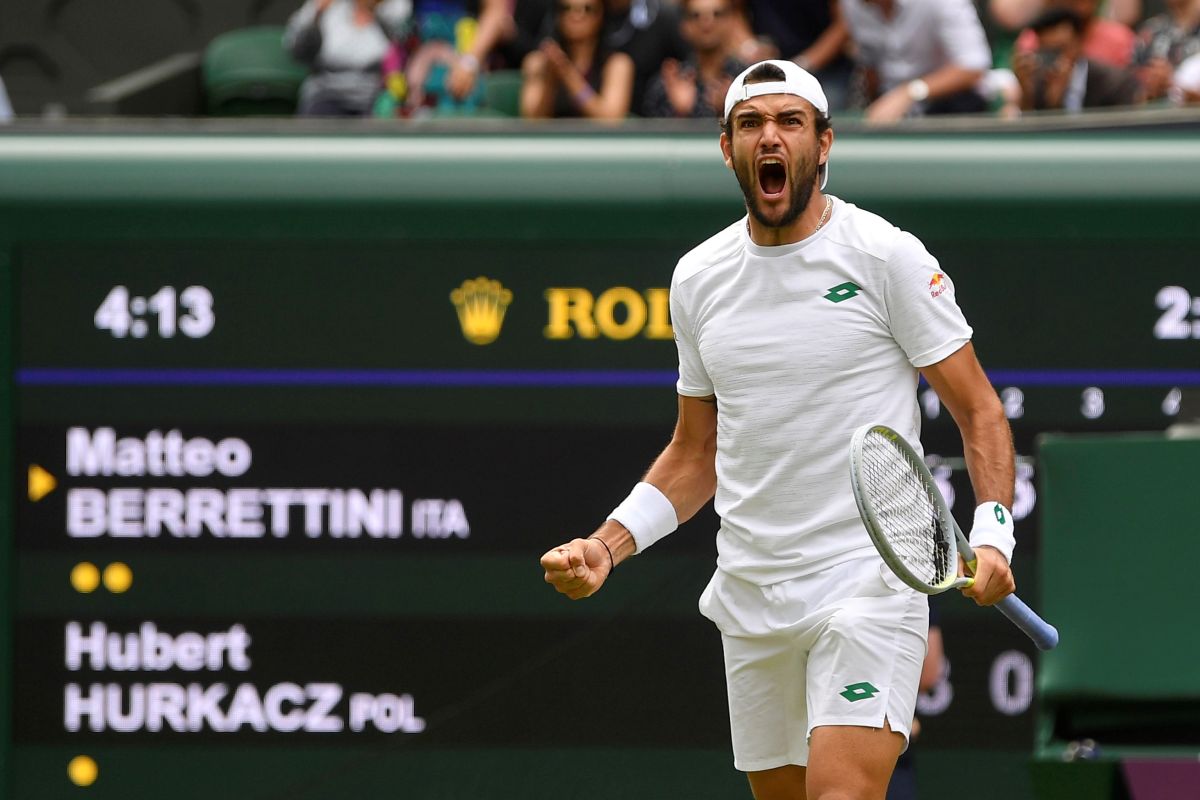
961	35
693	377
856	20
923	314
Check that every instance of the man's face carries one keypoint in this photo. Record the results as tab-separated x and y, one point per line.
775	152
1057	41
706	23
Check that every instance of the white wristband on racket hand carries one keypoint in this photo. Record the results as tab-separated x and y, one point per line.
993	527
647	514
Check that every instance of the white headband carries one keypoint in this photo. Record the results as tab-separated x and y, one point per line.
796	81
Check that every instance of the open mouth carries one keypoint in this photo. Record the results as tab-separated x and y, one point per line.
772	177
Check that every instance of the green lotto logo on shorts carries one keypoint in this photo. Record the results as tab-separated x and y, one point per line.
859	691
843	291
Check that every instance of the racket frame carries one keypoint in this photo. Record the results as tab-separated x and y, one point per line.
1043	634
946	525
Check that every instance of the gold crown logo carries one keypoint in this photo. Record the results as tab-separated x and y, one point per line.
481	304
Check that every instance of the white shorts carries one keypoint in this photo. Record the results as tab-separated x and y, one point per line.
842	647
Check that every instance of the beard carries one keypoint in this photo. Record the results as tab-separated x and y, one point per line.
799	198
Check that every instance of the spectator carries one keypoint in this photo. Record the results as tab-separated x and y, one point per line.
920	56
748	46
1059	76
453	42
576	74
1164	42
813	34
1105	41
344	43
697	86
1014	15
648	31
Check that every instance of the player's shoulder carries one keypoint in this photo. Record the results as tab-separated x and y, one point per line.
872	236
715	251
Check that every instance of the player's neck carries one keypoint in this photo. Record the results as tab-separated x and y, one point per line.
811	220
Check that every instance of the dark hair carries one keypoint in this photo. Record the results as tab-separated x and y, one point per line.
1053	17
766	73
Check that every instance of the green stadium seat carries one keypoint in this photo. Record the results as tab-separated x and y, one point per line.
503	91
248	72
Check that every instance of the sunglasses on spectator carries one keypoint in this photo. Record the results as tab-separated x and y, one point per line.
580	8
716	13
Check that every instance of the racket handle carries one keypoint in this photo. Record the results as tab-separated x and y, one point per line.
1043	634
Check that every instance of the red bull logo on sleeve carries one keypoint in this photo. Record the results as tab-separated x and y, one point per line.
938	284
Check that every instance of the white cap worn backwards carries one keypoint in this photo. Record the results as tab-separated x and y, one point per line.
797	81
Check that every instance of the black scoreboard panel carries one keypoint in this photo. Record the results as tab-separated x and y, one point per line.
280	503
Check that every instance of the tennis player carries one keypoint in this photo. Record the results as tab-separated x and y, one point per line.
795	325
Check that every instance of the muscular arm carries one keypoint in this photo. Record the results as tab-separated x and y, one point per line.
964	389
685	472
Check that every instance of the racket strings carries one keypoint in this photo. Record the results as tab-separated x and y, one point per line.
908	517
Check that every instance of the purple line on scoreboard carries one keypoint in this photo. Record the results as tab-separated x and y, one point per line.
405	378
527	378
1106	378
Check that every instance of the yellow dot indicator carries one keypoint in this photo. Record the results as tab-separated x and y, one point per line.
85	577
118	577
82	771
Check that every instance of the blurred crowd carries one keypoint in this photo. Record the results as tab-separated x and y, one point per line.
885	60
878	60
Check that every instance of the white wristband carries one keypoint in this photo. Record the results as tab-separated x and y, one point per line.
993	527
647	514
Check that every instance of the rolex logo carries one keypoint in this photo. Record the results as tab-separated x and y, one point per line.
481	304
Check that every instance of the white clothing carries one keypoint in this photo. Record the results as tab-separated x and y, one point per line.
920	37
801	344
345	45
842	648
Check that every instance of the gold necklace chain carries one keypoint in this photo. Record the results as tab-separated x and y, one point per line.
820	223
824	214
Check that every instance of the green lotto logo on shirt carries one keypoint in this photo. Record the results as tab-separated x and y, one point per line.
843	291
859	691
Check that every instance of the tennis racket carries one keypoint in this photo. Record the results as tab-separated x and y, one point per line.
912	528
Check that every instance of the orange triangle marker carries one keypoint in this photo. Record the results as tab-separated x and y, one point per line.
41	483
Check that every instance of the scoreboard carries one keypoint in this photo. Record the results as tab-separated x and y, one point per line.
292	419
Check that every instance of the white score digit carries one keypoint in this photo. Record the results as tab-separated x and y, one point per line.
113	314
1093	402
200	319
162	303
1010	683
1014	402
931	403
1171	403
1025	492
1177	303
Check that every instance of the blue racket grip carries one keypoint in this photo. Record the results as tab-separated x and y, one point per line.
1043	634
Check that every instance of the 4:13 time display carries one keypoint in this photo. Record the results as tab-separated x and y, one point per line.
123	315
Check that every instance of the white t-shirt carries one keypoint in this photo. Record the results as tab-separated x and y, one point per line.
802	344
920	37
